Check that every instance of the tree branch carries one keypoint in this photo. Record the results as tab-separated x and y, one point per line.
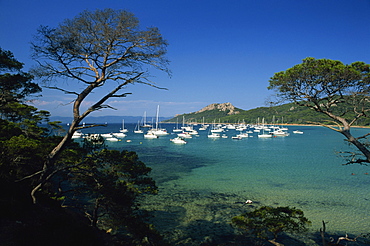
347	239
327	126
89	126
364	136
98	105
60	89
29	176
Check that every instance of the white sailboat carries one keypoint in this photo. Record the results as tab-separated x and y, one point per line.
123	127
216	128
203	127
283	128
177	129
264	135
157	131
137	128
212	134
145	125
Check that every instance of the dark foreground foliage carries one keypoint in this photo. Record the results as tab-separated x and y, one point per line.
268	222
97	192
90	197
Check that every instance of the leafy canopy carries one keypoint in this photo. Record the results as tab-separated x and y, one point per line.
315	79
334	89
15	87
99	46
102	50
269	220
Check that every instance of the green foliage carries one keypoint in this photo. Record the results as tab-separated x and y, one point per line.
15	86
23	144
22	153
337	91
8	62
266	221
111	38
320	78
330	87
104	184
287	113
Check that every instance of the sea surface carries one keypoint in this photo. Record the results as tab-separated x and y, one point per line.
206	181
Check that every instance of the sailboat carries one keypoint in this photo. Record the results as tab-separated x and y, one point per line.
145	125
157	131
216	128
264	135
283	128
137	128
203	127
123	127
177	129
212	134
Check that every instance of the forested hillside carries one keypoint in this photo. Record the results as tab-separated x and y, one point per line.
288	114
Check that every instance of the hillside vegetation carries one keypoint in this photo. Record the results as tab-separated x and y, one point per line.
288	114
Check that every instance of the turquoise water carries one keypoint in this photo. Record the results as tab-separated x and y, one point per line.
304	171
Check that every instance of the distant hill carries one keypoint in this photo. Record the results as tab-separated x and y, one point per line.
226	113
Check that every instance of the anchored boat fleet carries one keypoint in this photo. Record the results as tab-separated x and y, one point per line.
186	131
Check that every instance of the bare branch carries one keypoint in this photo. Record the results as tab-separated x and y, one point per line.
99	105
88	126
346	238
364	136
328	126
29	176
60	89
151	84
122	95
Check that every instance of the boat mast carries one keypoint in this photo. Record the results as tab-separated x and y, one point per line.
156	123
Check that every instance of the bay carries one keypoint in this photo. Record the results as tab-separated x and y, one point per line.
209	179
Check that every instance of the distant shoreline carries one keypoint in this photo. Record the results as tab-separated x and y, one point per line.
285	124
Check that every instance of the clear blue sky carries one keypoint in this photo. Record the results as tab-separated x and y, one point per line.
220	50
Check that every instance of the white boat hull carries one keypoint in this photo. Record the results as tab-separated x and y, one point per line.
178	141
265	136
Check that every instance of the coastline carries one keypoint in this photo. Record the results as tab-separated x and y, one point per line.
285	124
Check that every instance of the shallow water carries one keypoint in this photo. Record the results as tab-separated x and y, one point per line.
303	171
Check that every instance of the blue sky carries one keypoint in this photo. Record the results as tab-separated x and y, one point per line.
220	50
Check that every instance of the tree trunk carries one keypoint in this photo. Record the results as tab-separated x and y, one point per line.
49	169
322	233
357	143
346	131
94	220
275	243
